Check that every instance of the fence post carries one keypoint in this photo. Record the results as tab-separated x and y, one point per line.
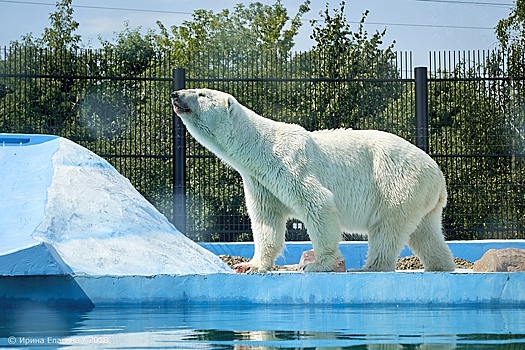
422	108
179	158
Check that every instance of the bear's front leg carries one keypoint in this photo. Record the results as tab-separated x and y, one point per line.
268	217
322	221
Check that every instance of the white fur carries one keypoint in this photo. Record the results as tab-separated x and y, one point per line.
332	180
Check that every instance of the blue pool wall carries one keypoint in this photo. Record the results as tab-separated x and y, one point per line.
354	253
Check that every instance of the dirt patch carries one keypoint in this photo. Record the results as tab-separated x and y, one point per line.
233	260
406	263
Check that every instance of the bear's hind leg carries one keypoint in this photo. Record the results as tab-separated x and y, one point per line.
428	243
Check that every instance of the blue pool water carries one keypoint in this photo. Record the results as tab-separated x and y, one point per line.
265	327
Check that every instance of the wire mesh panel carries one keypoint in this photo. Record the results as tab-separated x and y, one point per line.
117	104
478	137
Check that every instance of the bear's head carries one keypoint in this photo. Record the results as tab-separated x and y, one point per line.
209	115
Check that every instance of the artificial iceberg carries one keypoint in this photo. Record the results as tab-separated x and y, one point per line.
65	210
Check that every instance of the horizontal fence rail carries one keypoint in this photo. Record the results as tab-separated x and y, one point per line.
467	110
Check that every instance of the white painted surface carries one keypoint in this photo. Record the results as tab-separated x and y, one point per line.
59	193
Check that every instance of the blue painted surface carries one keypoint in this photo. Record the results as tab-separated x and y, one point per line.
317	288
26	174
38	259
462	287
24	139
354	253
284	288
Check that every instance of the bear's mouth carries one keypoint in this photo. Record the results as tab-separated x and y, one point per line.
179	106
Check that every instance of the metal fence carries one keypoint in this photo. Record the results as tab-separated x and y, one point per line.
467	114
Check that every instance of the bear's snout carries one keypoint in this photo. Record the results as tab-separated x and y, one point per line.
178	105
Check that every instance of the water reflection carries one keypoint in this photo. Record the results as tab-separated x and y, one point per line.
265	327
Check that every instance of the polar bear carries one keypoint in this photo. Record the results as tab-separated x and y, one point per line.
332	180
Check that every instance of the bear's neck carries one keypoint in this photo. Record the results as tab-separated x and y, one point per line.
257	147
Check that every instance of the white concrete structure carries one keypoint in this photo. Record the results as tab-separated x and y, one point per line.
65	210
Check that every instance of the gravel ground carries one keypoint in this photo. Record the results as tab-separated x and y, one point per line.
407	263
412	263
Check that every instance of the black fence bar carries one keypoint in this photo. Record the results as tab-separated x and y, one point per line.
179	159
421	108
267	80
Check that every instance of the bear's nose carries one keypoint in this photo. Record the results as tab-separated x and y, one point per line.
175	95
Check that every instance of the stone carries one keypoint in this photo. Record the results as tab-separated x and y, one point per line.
501	260
308	257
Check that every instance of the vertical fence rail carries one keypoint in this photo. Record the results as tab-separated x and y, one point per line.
421	87
179	159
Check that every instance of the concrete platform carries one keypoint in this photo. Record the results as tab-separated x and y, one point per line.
460	287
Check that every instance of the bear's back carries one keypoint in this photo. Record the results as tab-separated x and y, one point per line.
369	142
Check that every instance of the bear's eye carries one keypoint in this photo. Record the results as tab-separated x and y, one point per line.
202	95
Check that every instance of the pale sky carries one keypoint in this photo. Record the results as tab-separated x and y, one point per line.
419	26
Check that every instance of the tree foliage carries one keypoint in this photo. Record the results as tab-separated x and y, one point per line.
465	120
246	31
348	58
61	35
510	32
54	55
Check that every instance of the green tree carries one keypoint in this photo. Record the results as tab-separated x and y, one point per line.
61	35
344	60
46	105
508	63
511	36
236	36
467	118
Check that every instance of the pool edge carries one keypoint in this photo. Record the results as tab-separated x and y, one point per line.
273	288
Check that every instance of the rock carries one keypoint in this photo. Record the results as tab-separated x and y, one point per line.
501	260
308	257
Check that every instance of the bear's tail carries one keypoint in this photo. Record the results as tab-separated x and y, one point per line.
441	201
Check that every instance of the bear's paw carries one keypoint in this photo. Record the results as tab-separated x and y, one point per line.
249	267
316	267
